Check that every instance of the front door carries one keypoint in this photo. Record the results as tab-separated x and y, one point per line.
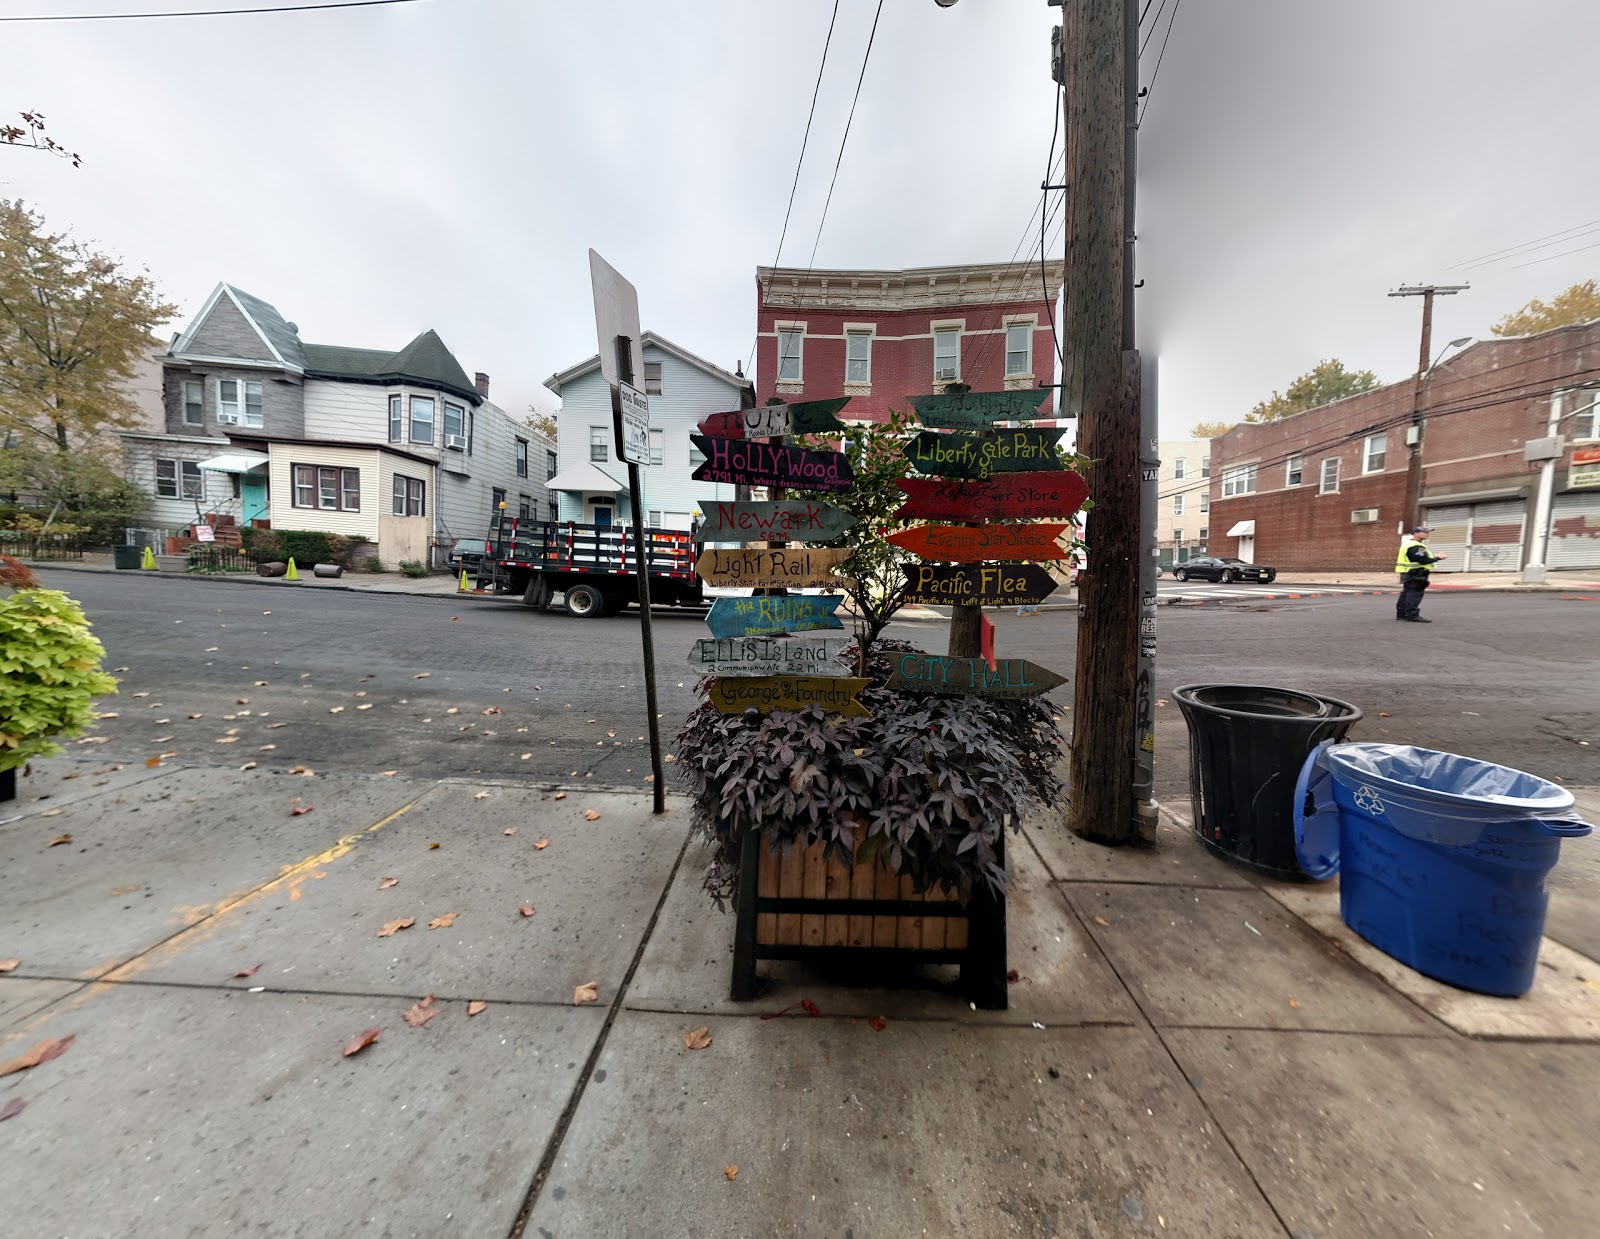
602	515
252	498
1247	548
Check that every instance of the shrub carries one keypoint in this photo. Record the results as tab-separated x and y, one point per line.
49	674
413	567
304	546
930	780
373	564
261	545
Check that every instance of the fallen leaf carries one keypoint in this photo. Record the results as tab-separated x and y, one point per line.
12	1108
365	706
387	774
266	748
275	726
611	734
432	847
421	1013
300	810
1294	1004
509	830
59	839
526	756
248	972
52	813
152	761
480	795
362	1042
390	928
241	701
11	965
732	1172
211	649
541	845
141	694
589	991
1383	714
877	1023
261	683
443	922
249	765
95	740
526	909
453	710
1100	920
43	1052
490	710
669	757
297	770
336	710
477	1008
591	815
110	714
559	796
226	740
697	1038
422	675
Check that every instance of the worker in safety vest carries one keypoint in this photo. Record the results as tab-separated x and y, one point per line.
1413	563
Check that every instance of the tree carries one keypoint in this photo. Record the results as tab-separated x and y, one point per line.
72	325
544	423
30	135
1579	304
1210	430
1328	382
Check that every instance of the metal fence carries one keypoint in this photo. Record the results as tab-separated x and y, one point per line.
218	558
40	546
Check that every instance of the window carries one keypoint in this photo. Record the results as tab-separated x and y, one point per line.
1585	416
239	402
524	507
696	456
1373	454
652	378
947	355
858	357
1177	535
1019	351
327	487
1179	468
497	499
597	444
1295	471
397	419
305	486
789	343
522	455
410	495
654	518
194	407
1240	481
549	465
1330	476
1203	533
1177	505
658	445
1205	505
1205	467
179	479
455	421
422	419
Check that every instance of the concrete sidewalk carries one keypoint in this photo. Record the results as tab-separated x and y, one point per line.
1190	1050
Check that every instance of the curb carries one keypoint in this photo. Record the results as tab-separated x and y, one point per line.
238	578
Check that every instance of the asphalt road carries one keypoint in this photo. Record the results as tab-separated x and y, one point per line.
1506	678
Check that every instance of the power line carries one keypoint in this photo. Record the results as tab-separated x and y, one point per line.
1535	243
1150	86
275	8
1553	257
846	138
1153	24
1044	274
1522	251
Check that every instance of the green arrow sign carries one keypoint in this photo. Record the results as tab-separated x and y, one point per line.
966	456
977	410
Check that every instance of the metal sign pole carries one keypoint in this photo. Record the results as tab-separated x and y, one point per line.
641	558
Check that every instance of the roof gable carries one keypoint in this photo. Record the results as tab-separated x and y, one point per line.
235	325
557	381
425	360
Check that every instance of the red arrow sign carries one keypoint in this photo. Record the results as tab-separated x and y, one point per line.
1018	495
959	544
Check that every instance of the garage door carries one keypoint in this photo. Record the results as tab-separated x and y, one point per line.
1494	542
1449	536
1575	531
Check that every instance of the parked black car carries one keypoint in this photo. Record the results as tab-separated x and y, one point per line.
1208	568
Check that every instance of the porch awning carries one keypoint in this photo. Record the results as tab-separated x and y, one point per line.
585	477
1243	529
235	462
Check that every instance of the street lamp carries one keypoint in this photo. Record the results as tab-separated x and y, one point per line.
1413	506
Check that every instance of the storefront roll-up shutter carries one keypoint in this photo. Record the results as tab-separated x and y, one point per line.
1449	537
1575	531
1495	541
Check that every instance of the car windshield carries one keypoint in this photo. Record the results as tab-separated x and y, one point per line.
1241	562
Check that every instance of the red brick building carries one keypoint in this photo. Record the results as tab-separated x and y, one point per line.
880	336
1325	489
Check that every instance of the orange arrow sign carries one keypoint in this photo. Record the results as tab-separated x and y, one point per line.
964	544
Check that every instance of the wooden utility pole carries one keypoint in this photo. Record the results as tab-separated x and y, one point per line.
1100	384
1412	512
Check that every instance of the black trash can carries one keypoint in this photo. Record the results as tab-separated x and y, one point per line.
126	556
1247	743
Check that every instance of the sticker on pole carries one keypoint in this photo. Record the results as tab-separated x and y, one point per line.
634	446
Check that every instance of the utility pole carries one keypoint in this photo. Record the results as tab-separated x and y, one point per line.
1419	393
1101	386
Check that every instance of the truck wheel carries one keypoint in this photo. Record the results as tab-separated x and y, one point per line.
584	601
538	592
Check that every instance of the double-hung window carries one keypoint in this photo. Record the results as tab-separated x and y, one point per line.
410	496
1019	351
658	445
1180	467
790	343
179	479
1205	505
1373	453
524	507
397	419
422	419
327	487
455	423
1240	481
1585	413
696	456
1330	476
1205	467
1295	470
239	402
858	357
522	457
652	378
598	450
947	355
194	402
550	464
1177	505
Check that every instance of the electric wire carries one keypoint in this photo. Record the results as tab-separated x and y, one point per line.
1150	86
1553	257
849	120
1153	24
1536	243
273	8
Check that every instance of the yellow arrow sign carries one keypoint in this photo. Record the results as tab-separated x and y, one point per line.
736	694
796	566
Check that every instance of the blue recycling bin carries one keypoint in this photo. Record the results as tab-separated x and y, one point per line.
1441	858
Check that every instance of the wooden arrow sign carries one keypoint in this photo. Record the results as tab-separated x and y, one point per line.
787	520
966	545
1010	677
735	695
770	656
770	464
755	617
976	410
986	585
809	417
1017	495
964	456
796	567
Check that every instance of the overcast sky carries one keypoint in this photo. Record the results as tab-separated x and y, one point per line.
448	163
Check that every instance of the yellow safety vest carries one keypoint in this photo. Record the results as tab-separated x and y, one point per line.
1402	564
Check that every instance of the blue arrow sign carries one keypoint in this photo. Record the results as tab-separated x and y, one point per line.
764	616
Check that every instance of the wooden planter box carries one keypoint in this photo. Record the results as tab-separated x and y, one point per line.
806	906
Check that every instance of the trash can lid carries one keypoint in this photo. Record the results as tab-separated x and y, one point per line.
1451	781
1316	817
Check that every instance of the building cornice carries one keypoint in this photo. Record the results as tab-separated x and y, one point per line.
917	288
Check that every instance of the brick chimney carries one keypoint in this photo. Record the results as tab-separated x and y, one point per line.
480	380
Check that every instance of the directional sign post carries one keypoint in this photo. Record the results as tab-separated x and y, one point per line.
768	616
776	420
770	464
770	656
986	585
965	544
1019	496
1005	451
783	520
979	410
1010	677
735	695
794	566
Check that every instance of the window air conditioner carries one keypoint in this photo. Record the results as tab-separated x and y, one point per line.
229	419
456	443
1363	516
